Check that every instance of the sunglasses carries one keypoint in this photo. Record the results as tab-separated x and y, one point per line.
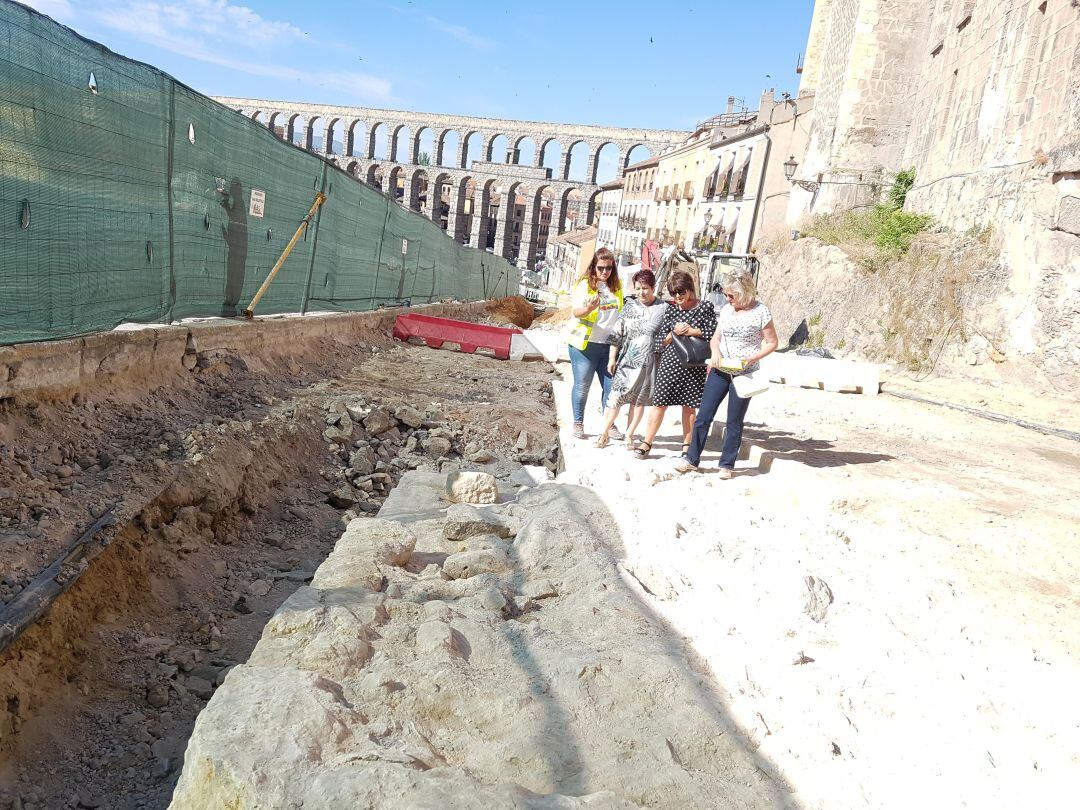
604	268
680	293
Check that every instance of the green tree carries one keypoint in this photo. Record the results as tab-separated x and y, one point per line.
424	159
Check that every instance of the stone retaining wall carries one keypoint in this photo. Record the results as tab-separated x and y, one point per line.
65	365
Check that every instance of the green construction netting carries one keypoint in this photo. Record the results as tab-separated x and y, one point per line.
127	196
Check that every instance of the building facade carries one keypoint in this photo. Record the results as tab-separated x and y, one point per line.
680	179
746	194
639	182
569	255
608	220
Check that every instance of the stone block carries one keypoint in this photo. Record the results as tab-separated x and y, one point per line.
472	487
1068	215
467	564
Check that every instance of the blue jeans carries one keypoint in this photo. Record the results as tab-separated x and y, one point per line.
584	364
717	386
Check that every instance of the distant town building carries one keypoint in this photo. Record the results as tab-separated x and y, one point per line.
745	195
608	220
569	255
637	200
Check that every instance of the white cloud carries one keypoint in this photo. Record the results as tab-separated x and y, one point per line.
231	36
458	32
57	9
213	19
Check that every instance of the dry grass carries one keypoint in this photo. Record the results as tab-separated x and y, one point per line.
873	238
929	291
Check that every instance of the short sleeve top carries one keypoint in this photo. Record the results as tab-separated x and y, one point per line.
742	331
606	315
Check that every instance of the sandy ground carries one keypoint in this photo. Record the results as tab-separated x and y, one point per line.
944	670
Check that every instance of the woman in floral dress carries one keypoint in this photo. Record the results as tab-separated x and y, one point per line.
632	362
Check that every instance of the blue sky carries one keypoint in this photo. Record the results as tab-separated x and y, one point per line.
662	65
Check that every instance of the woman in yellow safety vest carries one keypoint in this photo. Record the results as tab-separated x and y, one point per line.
597	300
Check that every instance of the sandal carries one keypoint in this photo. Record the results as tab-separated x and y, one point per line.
685	450
602	439
642	450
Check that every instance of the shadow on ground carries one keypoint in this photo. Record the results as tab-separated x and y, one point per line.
768	445
706	748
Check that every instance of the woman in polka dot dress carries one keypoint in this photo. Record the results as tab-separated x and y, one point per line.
676	384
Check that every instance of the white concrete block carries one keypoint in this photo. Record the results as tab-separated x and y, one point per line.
822	373
521	348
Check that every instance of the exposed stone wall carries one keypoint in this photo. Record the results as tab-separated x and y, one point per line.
982	99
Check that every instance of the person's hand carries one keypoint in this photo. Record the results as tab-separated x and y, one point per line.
611	367
681	328
592	302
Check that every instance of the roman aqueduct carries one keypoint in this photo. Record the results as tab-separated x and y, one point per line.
473	163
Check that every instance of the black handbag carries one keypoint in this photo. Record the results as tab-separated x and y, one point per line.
693	351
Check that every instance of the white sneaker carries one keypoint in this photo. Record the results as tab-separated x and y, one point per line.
683	465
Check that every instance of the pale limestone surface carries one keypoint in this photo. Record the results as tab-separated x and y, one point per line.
385	684
470	486
948	646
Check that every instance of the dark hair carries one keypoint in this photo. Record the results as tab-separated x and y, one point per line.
680	281
613	282
645	277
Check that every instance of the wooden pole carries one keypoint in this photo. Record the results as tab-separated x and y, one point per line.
320	198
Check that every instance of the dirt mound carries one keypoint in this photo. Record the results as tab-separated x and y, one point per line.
513	309
554	316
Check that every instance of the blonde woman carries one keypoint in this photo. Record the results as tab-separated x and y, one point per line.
597	301
744	333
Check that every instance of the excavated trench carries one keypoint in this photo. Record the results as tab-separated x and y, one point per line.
221	489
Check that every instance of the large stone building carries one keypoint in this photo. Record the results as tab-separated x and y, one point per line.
982	99
745	196
474	163
706	190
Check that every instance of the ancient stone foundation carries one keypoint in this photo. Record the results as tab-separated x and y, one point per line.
494	656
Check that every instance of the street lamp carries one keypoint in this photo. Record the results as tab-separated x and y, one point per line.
790	165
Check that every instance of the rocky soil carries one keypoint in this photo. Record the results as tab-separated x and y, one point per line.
229	485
